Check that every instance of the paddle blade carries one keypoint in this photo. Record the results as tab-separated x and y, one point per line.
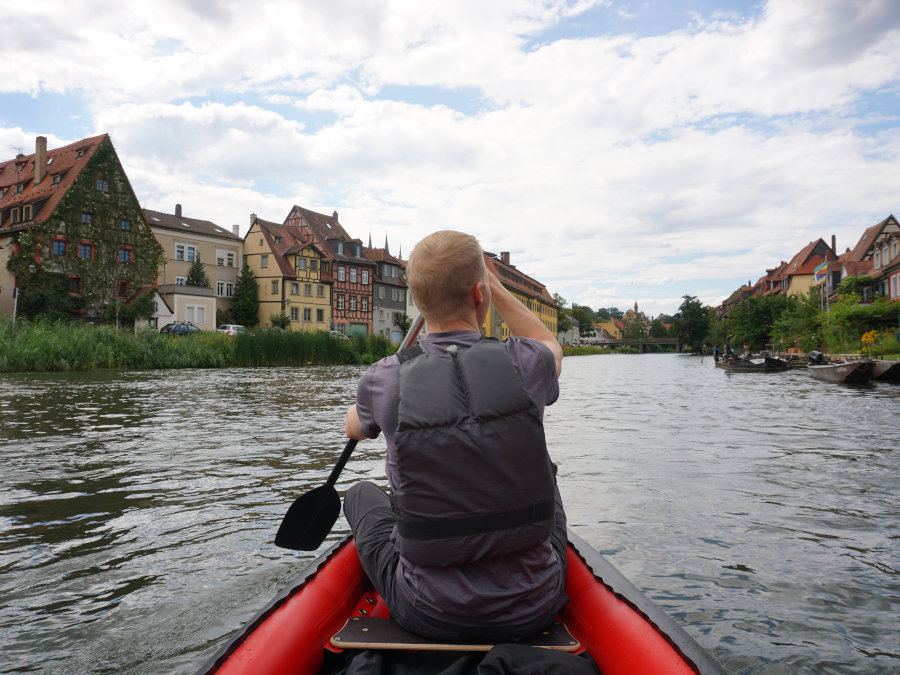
309	520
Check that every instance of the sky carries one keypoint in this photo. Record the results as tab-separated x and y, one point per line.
622	151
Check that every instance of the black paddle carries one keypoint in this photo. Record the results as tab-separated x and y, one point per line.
312	515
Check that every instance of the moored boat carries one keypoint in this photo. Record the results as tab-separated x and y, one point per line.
618	626
886	370
844	371
756	364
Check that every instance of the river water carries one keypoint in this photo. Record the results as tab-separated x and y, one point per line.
137	509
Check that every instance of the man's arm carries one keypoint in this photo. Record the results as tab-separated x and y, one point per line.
352	425
520	319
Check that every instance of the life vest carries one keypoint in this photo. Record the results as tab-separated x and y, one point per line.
474	479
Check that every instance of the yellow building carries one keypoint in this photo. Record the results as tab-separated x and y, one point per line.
529	292
293	276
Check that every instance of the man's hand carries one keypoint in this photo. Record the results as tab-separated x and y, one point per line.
520	320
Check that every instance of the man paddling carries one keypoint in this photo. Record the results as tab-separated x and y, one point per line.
471	544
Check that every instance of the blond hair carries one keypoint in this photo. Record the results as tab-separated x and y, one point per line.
442	270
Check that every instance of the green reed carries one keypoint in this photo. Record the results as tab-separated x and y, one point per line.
41	346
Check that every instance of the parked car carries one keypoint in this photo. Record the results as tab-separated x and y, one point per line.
230	328
179	328
338	335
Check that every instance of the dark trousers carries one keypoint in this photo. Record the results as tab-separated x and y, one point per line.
368	510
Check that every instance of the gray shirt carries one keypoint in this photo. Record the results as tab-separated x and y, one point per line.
511	589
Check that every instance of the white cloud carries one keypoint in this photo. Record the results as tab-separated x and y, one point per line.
606	165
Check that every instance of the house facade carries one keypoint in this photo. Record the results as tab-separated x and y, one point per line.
72	231
389	293
294	276
352	274
184	241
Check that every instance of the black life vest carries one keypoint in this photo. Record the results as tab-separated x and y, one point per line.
474	476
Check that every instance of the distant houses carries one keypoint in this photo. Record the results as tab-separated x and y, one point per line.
72	231
818	266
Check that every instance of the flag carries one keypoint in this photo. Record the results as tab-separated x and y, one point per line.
820	272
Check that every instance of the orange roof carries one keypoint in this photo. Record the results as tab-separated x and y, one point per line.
65	162
513	278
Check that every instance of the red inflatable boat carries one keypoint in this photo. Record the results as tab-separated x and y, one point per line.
621	629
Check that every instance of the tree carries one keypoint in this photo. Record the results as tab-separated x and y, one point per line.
279	320
603	314
563	321
402	321
854	287
196	275
691	323
800	325
753	321
585	318
658	330
615	312
245	303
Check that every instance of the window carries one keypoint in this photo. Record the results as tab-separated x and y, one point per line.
320	315
301	264
295	288
295	314
381	292
26	214
179	251
277	241
307	289
121	289
313	265
229	259
15	216
365	277
179	281
86	251
229	289
340	302
75	285
195	313
125	255
102	185
320	291
307	314
125	224
85	218
877	259
352	275
341	273
352	303
365	304
79	154
401	295
220	288
56	178
191	253
19	188
340	249
274	287
58	247
895	248
264	261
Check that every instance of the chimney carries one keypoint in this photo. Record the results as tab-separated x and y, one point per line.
40	159
504	257
833	244
178	210
252	219
334	215
235	230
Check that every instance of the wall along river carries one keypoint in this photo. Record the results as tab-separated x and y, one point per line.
138	509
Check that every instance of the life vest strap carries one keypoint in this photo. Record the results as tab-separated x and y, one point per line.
461	527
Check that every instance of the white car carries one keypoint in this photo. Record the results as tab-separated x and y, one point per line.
230	329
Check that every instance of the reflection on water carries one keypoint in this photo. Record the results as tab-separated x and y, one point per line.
137	510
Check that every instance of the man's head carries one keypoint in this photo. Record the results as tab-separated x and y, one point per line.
442	273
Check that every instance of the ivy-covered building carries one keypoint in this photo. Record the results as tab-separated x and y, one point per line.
73	238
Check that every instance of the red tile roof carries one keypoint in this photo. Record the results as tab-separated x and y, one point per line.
523	283
64	162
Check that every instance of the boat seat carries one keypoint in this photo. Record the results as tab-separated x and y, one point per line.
374	633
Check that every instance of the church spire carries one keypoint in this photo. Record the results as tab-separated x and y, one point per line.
386	249
370	238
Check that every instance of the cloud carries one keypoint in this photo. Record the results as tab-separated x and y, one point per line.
606	164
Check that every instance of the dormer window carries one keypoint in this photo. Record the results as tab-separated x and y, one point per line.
26	212
340	248
877	259
277	241
79	154
56	178
19	188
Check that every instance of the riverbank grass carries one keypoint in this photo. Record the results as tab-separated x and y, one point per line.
47	346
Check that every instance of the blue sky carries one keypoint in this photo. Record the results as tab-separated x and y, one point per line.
622	151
